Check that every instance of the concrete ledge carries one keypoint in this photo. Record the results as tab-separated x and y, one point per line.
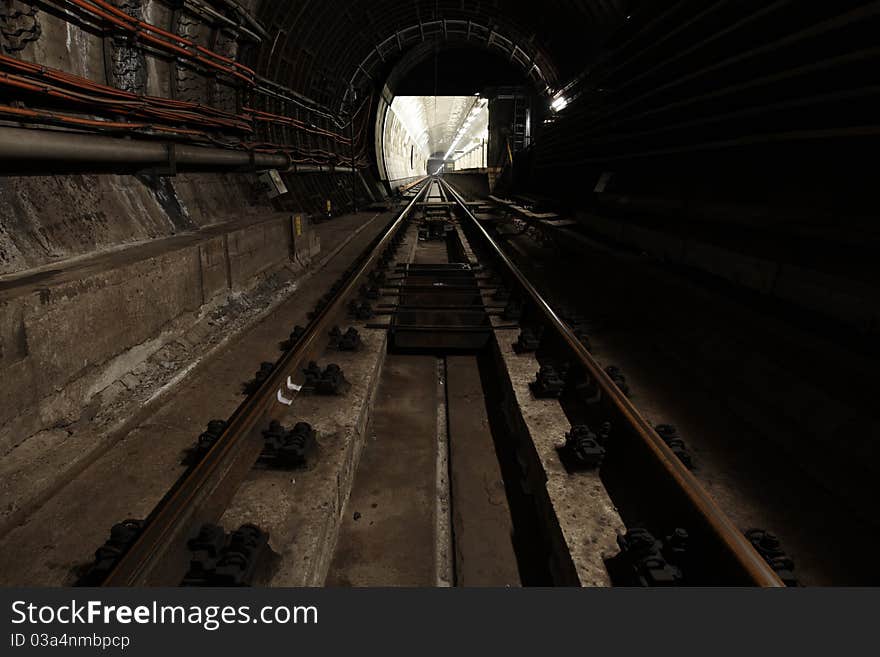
302	509
737	268
853	302
65	339
581	520
850	301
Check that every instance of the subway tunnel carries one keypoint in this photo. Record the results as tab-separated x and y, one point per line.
438	293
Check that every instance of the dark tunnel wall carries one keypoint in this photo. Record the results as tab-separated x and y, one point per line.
739	129
731	82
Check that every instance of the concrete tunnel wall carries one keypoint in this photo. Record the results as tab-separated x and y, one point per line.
403	157
47	218
119	327
111	284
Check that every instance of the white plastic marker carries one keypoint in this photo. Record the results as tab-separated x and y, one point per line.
290	386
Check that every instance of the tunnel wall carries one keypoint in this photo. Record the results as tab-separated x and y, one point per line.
471	184
403	157
473	159
848	297
125	298
45	219
108	283
75	338
48	39
722	139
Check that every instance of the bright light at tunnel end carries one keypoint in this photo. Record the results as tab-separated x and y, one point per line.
478	107
559	104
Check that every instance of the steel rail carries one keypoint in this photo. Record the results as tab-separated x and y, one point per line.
755	569
203	493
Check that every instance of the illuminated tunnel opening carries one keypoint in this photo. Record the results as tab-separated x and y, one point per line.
424	135
450	107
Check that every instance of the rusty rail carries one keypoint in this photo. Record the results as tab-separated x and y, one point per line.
741	562
403	189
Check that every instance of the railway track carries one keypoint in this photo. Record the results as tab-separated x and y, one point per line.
652	472
460	302
159	555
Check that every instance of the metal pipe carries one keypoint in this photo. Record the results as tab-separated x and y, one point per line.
50	151
318	168
238	8
228	22
54	150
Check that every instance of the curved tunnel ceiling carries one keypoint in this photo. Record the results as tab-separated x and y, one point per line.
452	71
324	48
